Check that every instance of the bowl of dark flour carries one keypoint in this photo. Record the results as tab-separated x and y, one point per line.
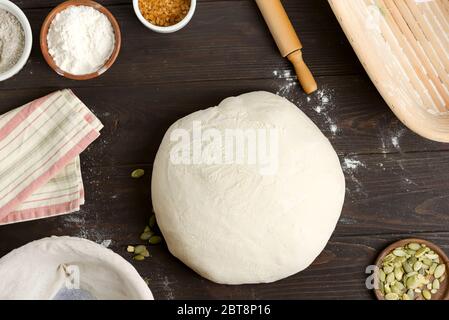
15	39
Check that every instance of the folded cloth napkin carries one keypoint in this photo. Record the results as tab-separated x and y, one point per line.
40	143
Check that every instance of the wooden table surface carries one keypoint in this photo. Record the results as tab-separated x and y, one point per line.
397	182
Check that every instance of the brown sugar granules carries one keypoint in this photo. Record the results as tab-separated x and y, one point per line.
164	13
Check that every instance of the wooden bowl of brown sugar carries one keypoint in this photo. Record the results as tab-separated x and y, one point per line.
164	16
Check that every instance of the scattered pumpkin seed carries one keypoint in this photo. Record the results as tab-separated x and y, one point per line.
152	221
157	239
140	249
138	173
405	297
130	249
433	291
139	257
147	228
146	235
146	253
411	294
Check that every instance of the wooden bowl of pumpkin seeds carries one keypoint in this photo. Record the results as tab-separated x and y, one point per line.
412	269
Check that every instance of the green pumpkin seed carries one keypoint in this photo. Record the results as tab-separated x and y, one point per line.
440	270
140	249
147	228
412	282
396	289
138	173
433	291
388	269
146	235
399	253
432	268
436	284
427	295
146	253
139	257
405	297
428	262
411	294
388	258
130	249
407	267
390	277
412	260
382	275
414	246
387	288
391	296
441	279
398	274
152	221
155	240
420	252
382	290
418	290
431	256
429	286
417	266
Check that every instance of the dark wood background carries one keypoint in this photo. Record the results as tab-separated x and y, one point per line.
397	182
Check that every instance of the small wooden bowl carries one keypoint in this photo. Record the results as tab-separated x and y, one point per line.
46	26
443	292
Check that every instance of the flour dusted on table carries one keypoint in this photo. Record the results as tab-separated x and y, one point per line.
80	40
12	40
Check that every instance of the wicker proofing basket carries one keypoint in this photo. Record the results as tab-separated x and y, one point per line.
404	47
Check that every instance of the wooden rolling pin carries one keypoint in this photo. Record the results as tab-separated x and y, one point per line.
287	40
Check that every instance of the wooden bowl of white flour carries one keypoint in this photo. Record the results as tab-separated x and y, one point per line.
80	39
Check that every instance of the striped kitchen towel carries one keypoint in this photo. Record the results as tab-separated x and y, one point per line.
40	143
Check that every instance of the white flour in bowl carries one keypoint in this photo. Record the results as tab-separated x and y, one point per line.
80	40
12	40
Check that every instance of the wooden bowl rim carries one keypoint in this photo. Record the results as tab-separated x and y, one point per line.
431	245
46	25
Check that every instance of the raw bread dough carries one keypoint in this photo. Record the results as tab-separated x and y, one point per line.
38	270
231	223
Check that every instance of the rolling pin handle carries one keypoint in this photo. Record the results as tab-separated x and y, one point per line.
305	77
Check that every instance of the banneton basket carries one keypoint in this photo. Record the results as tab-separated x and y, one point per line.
404	47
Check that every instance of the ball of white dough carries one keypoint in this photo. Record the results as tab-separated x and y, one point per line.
253	211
